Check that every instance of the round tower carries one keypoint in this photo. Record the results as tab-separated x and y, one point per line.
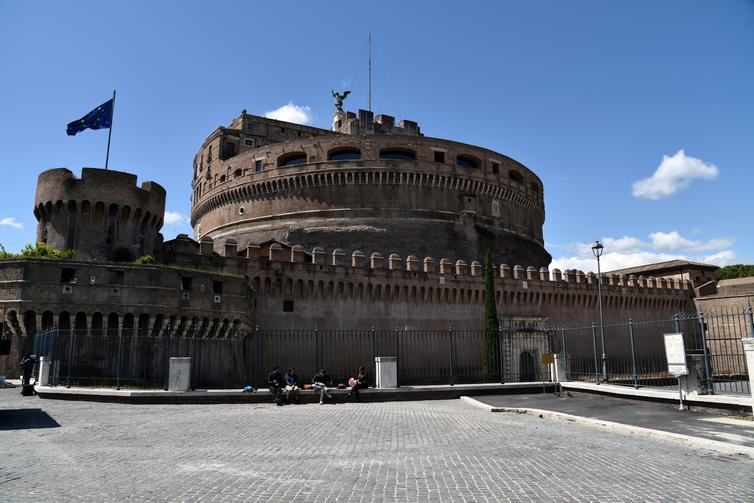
103	215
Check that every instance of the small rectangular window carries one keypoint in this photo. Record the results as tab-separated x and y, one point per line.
288	306
249	142
68	276
495	168
257	165
282	130
439	156
217	287
117	277
298	133
249	126
186	282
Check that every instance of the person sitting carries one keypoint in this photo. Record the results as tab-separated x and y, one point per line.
291	386
321	381
360	382
276	383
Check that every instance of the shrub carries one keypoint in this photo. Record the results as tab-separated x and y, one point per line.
735	271
145	260
43	250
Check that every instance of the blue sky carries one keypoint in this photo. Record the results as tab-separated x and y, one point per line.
638	116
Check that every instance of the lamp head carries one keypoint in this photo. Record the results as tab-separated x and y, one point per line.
597	249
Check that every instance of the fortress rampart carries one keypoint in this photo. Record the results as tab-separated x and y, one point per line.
103	215
377	191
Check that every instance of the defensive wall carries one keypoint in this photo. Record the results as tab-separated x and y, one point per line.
99	298
104	214
378	191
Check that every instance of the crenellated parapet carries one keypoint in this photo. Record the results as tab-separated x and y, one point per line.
103	215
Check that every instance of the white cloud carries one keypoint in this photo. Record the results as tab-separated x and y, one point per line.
674	241
721	258
11	222
630	251
175	218
291	113
673	174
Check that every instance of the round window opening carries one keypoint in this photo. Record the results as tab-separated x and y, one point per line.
241	211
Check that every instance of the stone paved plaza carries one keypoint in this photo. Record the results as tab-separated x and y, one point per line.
399	451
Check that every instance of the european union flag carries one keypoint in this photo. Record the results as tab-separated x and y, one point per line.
99	118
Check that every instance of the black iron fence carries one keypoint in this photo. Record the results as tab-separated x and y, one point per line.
633	353
118	358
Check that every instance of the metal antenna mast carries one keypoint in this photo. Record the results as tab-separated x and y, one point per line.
369	104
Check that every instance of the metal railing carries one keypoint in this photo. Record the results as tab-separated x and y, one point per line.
634	353
124	357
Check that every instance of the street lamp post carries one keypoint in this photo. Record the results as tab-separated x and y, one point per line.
597	249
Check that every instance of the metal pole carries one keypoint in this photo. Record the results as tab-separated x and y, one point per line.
500	353
450	351
120	355
374	351
193	357
633	352
257	356
72	335
602	321
677	323
316	348
594	348
707	370
110	130
397	357
565	350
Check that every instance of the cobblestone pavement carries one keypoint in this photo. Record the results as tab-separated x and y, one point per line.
399	451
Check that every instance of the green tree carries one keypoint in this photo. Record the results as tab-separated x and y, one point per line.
491	335
735	271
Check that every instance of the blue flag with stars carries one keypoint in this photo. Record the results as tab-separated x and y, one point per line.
99	118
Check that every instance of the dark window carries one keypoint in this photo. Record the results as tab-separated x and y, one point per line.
217	287
257	165
117	277
282	130
209	154
439	156
68	276
186	282
292	159
288	306
344	154
237	173
230	149
222	178
298	133
534	187
400	155
249	142
466	162
249	126
516	176
495	168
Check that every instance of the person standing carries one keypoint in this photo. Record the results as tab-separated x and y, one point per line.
321	381
291	386
27	367
276	384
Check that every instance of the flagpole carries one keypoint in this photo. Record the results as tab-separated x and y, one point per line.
110	131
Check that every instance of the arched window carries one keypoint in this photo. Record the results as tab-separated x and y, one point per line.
400	154
466	161
344	154
292	159
516	176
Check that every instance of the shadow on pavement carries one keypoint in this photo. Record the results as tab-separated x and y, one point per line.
26	419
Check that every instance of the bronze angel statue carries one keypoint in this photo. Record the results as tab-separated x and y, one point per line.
339	98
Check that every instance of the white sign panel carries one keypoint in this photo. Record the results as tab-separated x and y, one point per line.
675	352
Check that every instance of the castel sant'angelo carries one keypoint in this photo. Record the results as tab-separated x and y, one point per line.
369	223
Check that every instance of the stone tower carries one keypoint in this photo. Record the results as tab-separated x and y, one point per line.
103	215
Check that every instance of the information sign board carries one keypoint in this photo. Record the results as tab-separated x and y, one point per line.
675	352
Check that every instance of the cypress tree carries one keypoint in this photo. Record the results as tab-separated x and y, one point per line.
490	364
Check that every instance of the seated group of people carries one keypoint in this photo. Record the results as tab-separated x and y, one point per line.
289	383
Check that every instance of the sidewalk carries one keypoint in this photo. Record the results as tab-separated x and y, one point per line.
729	435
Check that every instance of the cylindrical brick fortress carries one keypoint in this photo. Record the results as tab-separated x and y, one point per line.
103	215
373	192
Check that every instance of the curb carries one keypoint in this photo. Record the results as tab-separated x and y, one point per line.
625	429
